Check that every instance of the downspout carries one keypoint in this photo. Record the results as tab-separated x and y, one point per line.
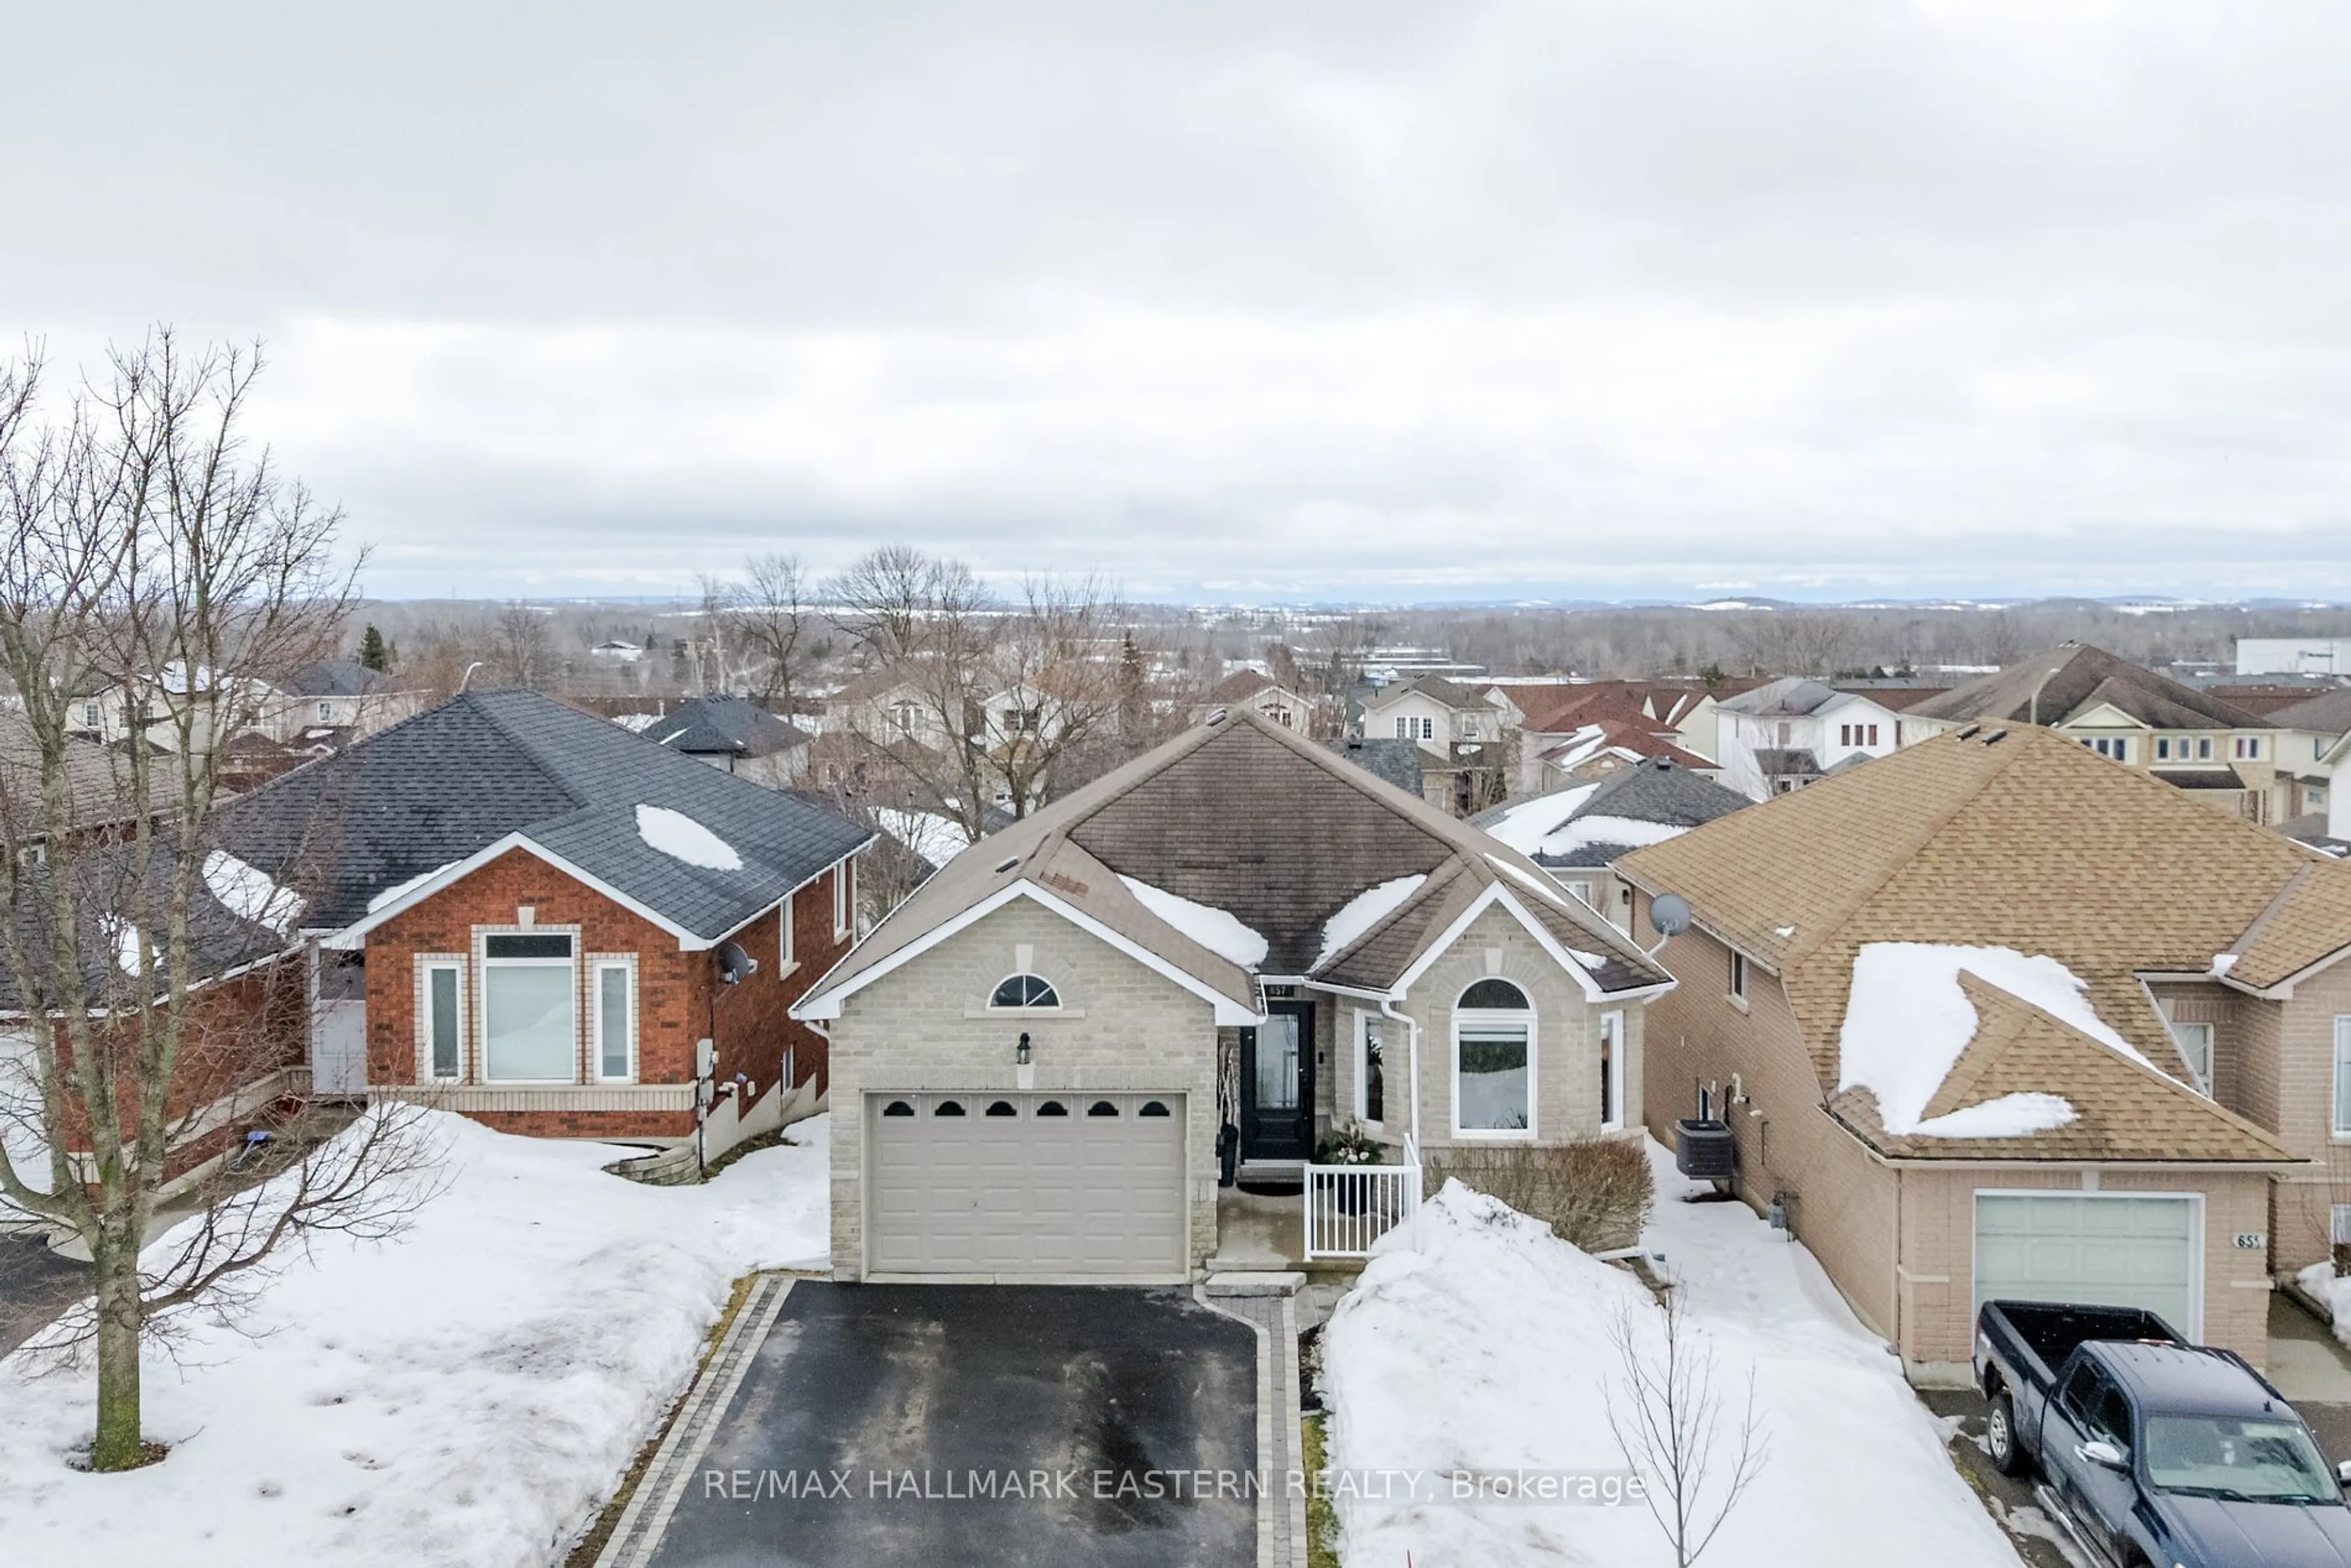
1412	1056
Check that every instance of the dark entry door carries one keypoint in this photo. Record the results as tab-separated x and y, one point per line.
1278	1085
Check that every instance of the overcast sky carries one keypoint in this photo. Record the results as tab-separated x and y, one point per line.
1244	301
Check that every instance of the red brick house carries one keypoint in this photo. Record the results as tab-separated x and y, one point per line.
528	914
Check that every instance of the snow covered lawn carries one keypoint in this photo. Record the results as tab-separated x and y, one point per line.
468	1394
1487	1351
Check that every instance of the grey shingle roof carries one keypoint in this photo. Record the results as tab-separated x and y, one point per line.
702	726
1653	790
2053	687
456	778
333	678
2326	713
1788	695
1396	761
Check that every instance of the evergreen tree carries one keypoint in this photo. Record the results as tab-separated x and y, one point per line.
372	653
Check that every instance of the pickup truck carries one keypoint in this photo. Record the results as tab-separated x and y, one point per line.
2156	1453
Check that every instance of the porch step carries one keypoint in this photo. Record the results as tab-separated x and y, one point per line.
1236	1282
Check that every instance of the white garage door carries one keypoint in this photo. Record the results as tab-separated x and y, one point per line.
1027	1184
2106	1250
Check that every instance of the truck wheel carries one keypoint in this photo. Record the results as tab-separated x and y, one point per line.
1999	1437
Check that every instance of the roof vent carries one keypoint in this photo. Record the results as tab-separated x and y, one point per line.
1216	715
1004	866
1995	738
1970	732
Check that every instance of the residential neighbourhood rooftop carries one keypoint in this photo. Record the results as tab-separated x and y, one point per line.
701	850
727	726
2060	684
1592	824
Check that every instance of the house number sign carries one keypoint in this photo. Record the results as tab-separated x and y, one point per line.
2251	1240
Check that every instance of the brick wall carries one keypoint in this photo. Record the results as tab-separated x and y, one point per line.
926	1025
2294	1041
680	998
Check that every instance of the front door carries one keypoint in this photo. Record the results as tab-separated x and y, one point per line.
1278	1085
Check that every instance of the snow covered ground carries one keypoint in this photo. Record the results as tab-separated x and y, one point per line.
465	1396
1487	1351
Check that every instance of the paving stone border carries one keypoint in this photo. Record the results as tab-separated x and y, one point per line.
638	1535
1272	1311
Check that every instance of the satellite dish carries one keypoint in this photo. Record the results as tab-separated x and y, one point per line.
1670	915
736	966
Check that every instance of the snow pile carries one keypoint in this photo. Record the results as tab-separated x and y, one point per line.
251	894
1487	1351
2320	1282
467	1395
126	949
936	839
1600	829
399	891
680	837
1363	912
1220	932
1907	1021
1525	824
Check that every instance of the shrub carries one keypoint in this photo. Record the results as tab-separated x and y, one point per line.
1594	1193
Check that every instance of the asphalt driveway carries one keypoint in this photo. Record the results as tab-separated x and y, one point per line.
1091	1426
35	1285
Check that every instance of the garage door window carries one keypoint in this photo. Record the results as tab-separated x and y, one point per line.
947	1108
1102	1108
1052	1108
1002	1108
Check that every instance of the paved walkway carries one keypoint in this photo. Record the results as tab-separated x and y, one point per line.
849	1425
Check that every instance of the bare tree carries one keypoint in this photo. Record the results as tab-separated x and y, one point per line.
148	557
1667	1416
759	622
518	647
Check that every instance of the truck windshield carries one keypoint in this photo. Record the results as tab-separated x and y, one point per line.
2245	1459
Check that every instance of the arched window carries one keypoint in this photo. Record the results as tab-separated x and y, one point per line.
1025	991
897	1108
1102	1108
1494	993
1052	1108
947	1108
1002	1108
1493	1062
1153	1108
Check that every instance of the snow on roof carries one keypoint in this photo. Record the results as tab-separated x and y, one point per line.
936	839
1524	825
637	723
126	948
680	837
2010	1116
2222	963
1908	1022
1585	832
249	892
1363	912
1215	929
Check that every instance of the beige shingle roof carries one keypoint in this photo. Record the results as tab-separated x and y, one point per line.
2122	1110
2021	839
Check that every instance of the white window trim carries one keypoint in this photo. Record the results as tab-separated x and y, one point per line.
594	965
844	897
1366	1025
1055	1008
1503	1016
484	964
784	936
1740	982
2212	1049
2342	1117
424	966
1612	1026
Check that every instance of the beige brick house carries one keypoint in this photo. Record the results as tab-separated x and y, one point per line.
1993	1017
1033	1058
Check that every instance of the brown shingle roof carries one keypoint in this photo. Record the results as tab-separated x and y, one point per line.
2027	840
2053	687
1244	817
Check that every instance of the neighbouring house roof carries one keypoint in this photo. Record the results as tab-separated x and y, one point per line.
2221	778
401	808
94	796
1789	696
2312	830
1895	694
1238	687
723	726
2326	713
2072	680
1396	761
1436	688
333	678
1239	849
1631	739
2016	838
1591	824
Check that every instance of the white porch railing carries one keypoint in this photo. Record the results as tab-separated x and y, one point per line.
1348	1207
